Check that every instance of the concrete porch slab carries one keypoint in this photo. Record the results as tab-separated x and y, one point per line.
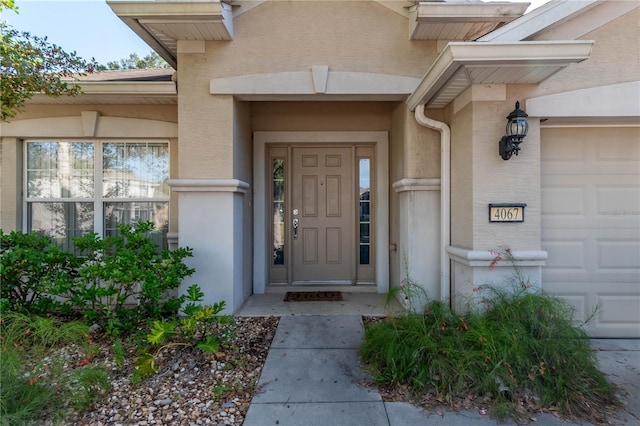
353	303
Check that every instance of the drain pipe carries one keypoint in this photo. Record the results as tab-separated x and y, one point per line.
445	195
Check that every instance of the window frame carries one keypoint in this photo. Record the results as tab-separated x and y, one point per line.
99	199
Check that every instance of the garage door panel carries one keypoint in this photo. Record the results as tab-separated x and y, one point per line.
619	254
590	203
619	151
564	200
566	255
619	308
578	303
619	201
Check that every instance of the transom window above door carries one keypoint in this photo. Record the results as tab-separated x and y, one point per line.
77	187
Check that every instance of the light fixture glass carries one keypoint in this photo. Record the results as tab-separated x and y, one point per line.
517	128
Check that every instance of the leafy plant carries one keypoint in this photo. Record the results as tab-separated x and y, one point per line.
126	279
191	331
33	271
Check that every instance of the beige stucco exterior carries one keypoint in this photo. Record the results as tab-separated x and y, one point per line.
356	72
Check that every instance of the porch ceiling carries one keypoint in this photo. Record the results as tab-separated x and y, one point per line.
161	24
462	64
459	21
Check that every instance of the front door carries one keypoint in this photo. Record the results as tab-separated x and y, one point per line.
322	215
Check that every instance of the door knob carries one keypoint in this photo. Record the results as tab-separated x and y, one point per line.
295	228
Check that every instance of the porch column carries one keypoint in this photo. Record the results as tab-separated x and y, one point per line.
481	177
211	223
419	237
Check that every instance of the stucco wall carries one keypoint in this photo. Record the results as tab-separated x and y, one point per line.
243	167
316	116
462	178
10	184
615	58
346	35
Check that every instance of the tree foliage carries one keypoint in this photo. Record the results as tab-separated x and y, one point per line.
30	64
134	61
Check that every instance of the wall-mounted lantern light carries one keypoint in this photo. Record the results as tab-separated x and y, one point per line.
517	128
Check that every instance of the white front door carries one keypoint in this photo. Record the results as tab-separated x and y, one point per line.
322	216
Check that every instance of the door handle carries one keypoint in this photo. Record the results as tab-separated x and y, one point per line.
295	228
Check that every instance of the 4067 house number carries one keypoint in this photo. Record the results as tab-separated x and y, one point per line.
506	212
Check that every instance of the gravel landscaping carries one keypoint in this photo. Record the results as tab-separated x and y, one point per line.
191	387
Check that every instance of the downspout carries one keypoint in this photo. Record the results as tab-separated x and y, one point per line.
445	195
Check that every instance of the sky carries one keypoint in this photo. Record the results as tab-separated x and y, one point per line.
89	27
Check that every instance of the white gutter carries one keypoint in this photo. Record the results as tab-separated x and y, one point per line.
445	196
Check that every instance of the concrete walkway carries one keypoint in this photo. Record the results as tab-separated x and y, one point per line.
313	376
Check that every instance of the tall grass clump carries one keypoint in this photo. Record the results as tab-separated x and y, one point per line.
35	387
521	349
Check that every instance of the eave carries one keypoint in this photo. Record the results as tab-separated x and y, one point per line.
460	21
100	92
462	64
162	24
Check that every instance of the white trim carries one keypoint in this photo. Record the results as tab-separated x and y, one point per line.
407	184
446	78
316	83
260	220
208	185
139	88
620	100
74	127
487	257
538	20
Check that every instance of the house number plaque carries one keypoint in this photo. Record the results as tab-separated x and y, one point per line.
506	212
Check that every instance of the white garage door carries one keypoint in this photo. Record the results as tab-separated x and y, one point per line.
591	224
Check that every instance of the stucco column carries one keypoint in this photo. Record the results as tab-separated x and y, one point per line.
10	178
481	177
211	223
419	236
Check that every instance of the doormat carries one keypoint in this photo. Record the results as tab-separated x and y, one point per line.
313	296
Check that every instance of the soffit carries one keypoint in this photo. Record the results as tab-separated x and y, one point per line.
111	93
461	65
161	24
460	21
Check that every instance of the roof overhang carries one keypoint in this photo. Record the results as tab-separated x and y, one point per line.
161	24
462	64
462	21
101	92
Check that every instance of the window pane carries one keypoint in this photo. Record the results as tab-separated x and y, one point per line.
364	168
134	212
60	170
278	211
61	221
135	170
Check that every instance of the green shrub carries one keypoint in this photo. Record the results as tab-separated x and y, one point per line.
33	271
126	279
524	349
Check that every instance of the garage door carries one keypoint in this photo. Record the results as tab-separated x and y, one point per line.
591	224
